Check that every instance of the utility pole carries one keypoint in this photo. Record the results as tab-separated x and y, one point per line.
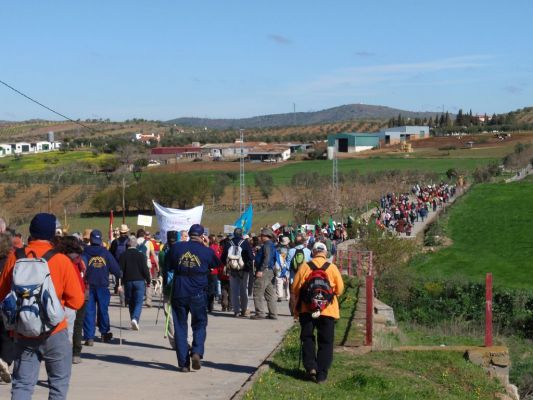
242	195
123	200
335	180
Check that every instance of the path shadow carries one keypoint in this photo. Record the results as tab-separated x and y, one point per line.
124	360
295	373
245	369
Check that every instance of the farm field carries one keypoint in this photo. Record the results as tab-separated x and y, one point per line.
491	232
43	161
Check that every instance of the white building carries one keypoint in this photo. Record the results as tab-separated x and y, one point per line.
5	150
43	146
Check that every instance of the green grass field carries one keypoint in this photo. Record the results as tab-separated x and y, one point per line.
492	231
215	221
283	175
36	162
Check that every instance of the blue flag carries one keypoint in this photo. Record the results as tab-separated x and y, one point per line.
245	220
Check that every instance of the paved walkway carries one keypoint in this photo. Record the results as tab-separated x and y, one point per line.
144	367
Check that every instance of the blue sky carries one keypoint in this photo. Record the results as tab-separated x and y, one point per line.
223	59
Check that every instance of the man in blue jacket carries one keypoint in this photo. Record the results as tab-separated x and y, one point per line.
191	262
264	288
100	263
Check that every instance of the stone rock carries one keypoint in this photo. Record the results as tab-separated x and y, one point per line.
487	356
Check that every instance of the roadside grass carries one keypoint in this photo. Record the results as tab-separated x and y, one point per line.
463	333
377	375
54	159
491	230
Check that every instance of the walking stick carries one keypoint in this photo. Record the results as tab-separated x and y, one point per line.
167	319
159	307
120	316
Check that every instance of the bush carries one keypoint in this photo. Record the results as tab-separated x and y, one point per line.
434	301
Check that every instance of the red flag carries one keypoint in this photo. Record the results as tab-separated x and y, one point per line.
111	226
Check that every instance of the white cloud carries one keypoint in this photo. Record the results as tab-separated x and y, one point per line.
349	78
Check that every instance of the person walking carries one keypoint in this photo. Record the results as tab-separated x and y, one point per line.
72	248
144	245
238	260
317	362
6	342
168	279
295	258
53	347
117	248
100	263
135	276
191	263
264	288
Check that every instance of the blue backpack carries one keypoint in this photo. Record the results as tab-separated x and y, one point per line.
122	246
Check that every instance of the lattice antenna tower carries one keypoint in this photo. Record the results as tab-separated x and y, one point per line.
335	178
242	198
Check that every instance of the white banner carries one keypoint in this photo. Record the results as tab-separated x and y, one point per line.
173	219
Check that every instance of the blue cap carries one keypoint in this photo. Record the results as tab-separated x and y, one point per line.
43	226
96	237
196	230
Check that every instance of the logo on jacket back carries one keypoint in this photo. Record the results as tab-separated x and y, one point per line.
97	262
189	260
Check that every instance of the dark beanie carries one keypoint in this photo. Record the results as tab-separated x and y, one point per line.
43	226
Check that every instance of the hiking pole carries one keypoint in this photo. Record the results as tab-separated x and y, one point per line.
159	307
120	316
167	319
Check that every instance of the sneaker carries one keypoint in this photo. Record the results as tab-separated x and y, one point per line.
196	361
106	337
89	342
4	372
184	369
134	325
76	360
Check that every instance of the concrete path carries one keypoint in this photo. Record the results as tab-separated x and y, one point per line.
144	367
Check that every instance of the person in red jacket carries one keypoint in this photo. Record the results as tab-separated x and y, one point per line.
54	348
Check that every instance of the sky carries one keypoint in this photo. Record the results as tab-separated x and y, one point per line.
164	59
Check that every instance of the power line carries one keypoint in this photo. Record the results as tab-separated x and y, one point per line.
48	108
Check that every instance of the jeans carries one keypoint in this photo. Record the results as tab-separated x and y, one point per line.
98	296
134	293
56	351
323	357
239	291
197	307
264	289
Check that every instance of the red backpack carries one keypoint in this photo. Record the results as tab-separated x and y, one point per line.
316	291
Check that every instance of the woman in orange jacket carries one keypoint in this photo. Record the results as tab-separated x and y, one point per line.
317	363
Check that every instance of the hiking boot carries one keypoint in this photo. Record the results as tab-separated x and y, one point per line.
89	342
76	360
245	313
4	372
311	374
184	369
106	337
134	325
196	361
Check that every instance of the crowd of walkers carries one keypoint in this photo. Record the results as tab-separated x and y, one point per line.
194	274
398	212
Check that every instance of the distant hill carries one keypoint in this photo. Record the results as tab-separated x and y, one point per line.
331	115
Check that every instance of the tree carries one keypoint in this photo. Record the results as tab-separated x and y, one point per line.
265	183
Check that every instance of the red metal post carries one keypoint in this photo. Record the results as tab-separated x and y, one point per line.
369	309
370	267
488	310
